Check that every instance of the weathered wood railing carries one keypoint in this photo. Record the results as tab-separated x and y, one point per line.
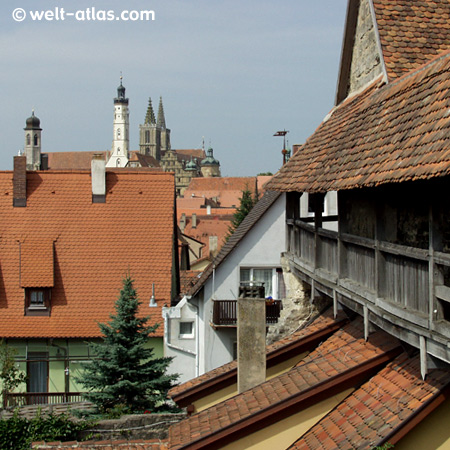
225	312
406	281
40	398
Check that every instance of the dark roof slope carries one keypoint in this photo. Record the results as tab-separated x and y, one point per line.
377	412
334	364
246	225
392	133
304	339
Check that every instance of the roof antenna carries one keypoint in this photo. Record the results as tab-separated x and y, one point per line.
152	303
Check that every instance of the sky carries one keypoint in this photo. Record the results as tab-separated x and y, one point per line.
231	72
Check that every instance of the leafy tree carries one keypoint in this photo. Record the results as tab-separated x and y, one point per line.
247	202
10	376
126	376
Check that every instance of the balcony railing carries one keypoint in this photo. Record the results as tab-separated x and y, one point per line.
40	398
225	312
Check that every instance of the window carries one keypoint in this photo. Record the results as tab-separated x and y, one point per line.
272	279
147	136
186	330
118	133
37	371
35	139
28	139
37	301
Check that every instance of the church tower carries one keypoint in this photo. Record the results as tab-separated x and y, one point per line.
119	153
150	135
32	146
161	124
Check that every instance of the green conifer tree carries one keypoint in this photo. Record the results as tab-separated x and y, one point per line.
247	202
125	374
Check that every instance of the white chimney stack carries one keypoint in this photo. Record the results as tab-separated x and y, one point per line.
98	176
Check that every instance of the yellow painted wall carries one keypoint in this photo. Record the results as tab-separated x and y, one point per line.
433	433
283	434
230	391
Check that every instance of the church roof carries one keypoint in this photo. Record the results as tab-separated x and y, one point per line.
82	250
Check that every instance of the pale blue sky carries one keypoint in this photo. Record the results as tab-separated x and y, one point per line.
234	72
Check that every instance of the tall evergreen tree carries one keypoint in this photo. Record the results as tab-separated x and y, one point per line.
125	372
247	202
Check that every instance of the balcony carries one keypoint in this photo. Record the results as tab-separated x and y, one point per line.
225	312
39	398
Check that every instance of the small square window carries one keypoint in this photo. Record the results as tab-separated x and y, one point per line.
37	302
186	330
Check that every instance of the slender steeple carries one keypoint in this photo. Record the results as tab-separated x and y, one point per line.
119	152
161	119
32	146
150	116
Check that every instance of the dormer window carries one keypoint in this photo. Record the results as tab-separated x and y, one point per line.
37	301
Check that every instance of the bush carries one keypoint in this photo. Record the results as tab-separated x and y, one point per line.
17	433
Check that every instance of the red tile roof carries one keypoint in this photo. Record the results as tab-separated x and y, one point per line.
411	32
392	133
70	160
376	410
93	246
323	325
340	358
227	190
208	225
36	262
188	279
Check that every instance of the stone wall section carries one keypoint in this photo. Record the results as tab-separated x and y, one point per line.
298	308
366	58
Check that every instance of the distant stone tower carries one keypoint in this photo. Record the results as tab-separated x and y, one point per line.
32	146
210	167
150	135
120	146
161	124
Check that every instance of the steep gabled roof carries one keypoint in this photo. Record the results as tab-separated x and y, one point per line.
382	410
336	364
304	339
246	225
389	133
411	32
82	250
390	37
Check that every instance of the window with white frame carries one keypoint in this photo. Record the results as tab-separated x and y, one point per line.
186	330
271	277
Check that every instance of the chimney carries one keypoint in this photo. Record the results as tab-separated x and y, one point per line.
20	181
98	176
213	244
183	222
194	220
251	335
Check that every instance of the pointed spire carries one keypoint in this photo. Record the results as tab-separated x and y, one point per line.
161	119
150	116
